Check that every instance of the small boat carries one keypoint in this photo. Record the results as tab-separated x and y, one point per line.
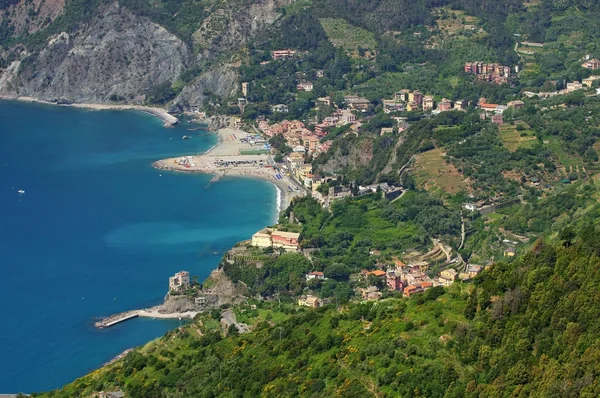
186	137
21	191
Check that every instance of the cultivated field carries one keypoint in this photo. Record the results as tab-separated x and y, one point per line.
514	139
432	172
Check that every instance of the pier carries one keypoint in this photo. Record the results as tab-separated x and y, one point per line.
115	319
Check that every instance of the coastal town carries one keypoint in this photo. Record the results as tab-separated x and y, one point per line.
281	151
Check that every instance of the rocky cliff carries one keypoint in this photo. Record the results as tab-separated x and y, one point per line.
118	55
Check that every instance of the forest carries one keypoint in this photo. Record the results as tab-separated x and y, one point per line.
526	328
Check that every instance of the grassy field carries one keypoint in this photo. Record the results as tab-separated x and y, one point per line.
256	152
432	171
514	139
350	38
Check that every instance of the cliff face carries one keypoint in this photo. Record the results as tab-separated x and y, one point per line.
29	16
222	81
118	54
230	27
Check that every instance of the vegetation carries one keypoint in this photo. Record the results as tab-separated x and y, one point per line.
527	328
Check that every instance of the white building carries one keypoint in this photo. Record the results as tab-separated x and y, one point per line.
180	281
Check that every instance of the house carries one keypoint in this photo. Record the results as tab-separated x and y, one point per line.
401	96
412	106
393	281
339	192
449	273
315	275
282	54
428	103
498	119
390	106
445	105
460	105
517	104
324	101
356	102
370	293
285	240
309	301
319	73
589	82
510	252
447	277
262	239
592	64
473	270
417	288
377	273
415	96
305	86
179	282
488	107
281	108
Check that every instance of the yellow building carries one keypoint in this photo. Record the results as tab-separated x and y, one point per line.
262	238
309	301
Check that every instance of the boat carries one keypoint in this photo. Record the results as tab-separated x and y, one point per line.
20	191
186	137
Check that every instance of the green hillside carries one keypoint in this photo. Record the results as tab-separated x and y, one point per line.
528	328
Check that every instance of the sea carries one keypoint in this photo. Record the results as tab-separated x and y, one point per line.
97	230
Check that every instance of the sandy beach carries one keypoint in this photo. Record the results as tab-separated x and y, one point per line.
225	159
161	113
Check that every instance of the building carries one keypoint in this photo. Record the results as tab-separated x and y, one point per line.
315	275
245	89
401	96
390	106
356	102
281	108
282	54
285	240
460	105
592	64
517	104
309	301
447	277
412	106
415	96
510	252
370	293
319	73
474	270
262	239
589	82
305	86
445	105
393	281
179	282
417	288
428	103
498	119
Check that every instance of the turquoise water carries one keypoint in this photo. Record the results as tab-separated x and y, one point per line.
99	231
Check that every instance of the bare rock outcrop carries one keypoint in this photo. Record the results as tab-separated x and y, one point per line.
117	55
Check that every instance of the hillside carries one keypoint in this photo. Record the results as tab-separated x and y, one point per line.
527	328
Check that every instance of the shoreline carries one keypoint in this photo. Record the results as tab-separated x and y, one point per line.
224	159
168	119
